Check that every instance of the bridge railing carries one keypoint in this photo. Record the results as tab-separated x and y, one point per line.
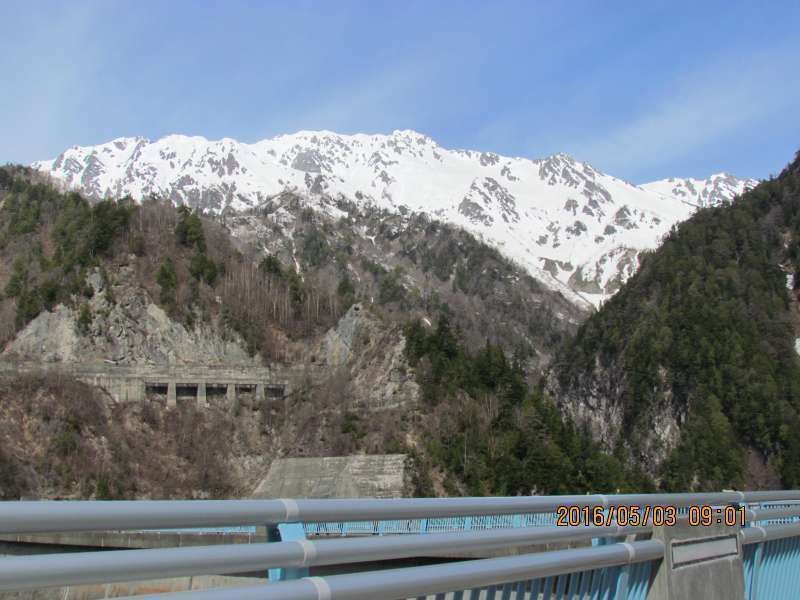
49	517
775	513
620	563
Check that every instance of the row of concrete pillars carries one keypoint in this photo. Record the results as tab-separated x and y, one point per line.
231	392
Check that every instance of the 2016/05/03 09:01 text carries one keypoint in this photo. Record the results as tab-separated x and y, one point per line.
658	516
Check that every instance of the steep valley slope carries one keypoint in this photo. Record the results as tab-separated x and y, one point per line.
691	369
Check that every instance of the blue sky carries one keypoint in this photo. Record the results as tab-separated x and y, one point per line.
642	90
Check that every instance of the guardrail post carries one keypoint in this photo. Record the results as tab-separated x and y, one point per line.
618	579
752	585
286	532
752	556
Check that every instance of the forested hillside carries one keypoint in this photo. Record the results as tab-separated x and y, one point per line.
281	272
50	242
691	368
143	283
490	433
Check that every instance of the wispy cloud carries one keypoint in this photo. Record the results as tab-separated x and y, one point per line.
700	108
514	77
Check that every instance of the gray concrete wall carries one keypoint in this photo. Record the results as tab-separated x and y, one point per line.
699	562
119	590
128	383
358	476
38	543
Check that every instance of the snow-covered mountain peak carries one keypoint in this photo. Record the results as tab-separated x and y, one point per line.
577	229
710	191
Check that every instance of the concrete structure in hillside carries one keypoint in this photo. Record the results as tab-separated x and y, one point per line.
364	476
201	383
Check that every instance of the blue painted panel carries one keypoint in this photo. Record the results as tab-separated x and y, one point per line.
771	570
288	532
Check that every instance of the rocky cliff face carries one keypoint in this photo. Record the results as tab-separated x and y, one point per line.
372	354
594	401
126	327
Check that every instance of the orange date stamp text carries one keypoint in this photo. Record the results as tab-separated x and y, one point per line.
633	515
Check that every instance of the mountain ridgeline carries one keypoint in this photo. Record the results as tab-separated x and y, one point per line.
691	368
574	228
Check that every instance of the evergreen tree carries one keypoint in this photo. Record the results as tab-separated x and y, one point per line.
167	279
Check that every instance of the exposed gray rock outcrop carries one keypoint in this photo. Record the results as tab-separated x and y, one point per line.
373	354
126	328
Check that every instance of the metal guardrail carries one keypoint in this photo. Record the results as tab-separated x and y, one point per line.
611	567
51	517
514	574
32	572
782	513
771	558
